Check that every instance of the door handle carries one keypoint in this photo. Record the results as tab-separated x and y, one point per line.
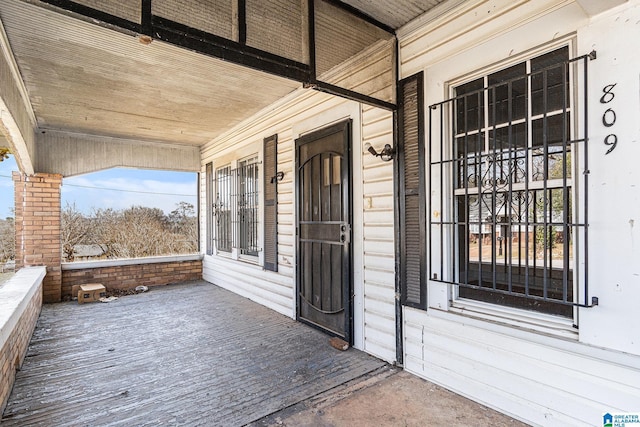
345	234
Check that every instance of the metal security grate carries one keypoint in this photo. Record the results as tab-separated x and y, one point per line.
236	208
209	188
508	222
222	209
246	200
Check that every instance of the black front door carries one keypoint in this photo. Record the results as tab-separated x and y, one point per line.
323	227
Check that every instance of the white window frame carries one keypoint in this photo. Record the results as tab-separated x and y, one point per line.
547	323
236	252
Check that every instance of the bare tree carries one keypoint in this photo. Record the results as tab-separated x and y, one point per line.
75	230
131	233
136	232
7	239
184	223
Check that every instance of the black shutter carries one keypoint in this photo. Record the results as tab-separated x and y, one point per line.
271	203
411	176
209	206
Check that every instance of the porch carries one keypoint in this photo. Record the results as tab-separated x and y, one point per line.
195	354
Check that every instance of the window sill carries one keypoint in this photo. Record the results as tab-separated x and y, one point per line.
523	319
247	259
223	254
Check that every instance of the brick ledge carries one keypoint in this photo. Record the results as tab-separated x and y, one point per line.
82	265
15	295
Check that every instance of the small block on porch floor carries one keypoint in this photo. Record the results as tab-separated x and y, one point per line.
338	343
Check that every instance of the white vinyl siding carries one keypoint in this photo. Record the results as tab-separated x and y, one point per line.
379	252
570	377
373	204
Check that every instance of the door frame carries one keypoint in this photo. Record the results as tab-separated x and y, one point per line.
345	126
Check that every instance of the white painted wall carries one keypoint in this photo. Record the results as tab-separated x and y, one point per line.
372	244
551	377
614	210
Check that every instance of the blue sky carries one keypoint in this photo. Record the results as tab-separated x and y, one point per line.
6	186
113	188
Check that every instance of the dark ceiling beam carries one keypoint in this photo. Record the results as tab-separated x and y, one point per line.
311	28
350	94
242	22
219	47
146	16
192	39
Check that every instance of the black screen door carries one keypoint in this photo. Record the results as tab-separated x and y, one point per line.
324	230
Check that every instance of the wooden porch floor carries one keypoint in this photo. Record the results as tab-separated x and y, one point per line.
189	354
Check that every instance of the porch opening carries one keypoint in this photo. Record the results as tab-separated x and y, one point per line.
129	213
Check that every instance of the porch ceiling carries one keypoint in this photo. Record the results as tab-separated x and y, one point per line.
394	13
88	79
85	78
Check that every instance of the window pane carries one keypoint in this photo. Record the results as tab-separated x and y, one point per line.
468	150
507	95
209	197
514	215
549	164
470	107
550	82
508	163
222	209
504	162
469	145
508	137
247	201
554	165
516	242
554	130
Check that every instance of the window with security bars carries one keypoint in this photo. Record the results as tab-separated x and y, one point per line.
222	209
209	203
246	197
504	221
236	208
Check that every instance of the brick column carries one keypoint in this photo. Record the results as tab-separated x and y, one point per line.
37	222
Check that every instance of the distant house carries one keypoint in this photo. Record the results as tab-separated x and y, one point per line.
88	252
8	266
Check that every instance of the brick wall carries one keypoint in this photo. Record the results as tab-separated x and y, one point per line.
125	277
15	347
37	222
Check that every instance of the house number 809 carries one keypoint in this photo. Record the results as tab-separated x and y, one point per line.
609	117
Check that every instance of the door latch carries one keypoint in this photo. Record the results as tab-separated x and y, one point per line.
345	233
